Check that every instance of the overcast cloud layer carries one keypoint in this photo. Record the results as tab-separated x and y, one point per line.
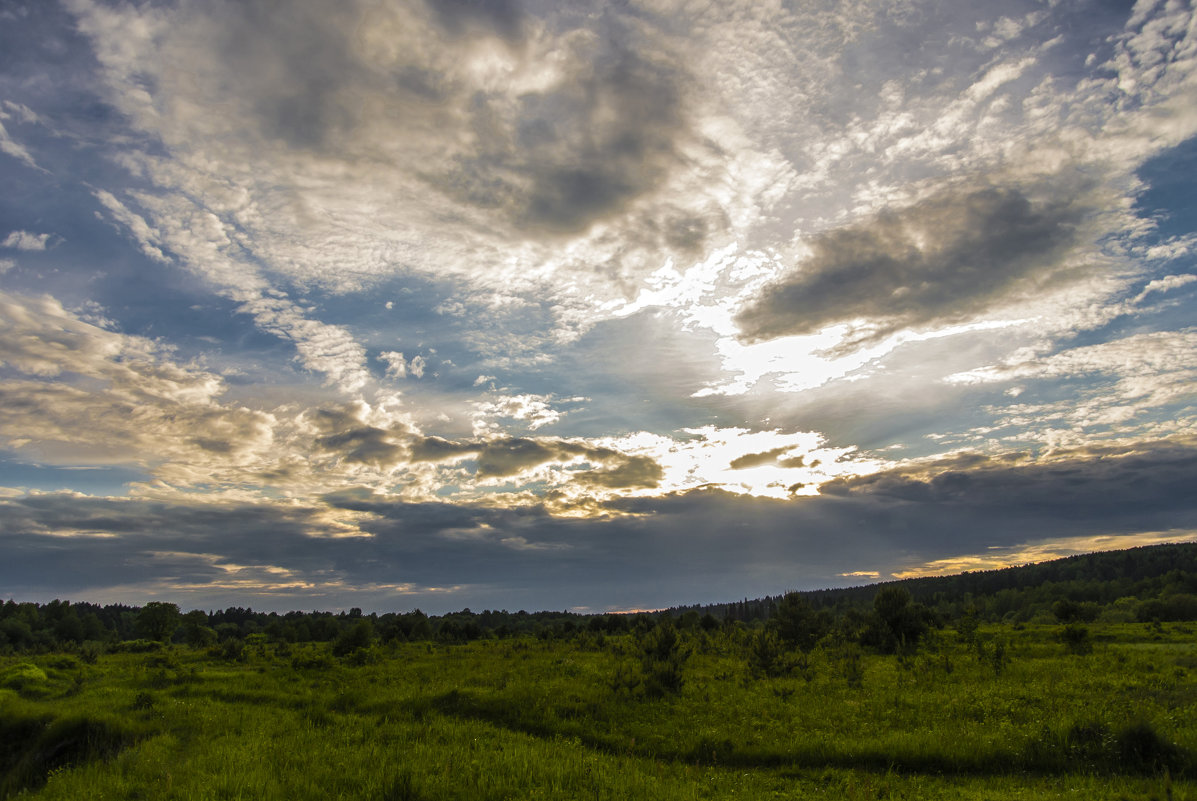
539	305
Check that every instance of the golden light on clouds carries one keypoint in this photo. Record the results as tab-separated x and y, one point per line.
509	304
998	558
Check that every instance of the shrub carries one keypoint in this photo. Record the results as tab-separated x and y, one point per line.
358	636
765	655
1076	639
1139	747
232	649
797	624
90	651
22	675
661	657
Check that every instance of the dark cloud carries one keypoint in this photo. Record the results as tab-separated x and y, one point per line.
704	545
551	159
346	435
585	148
438	449
503	17
937	261
293	64
83	545
633	471
343	432
506	457
1153	479
510	455
767	457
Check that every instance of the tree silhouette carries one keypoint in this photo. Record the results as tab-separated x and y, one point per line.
158	620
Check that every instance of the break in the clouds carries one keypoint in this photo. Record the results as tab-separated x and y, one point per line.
536	305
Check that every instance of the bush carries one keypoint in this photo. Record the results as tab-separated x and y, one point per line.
1094	746
797	624
90	651
1139	747
1178	607
661	659
311	659
356	637
232	649
897	623
22	675
765	656
1076	639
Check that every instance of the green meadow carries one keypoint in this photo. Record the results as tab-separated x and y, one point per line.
1027	711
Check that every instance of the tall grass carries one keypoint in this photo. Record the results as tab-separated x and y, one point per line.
545	719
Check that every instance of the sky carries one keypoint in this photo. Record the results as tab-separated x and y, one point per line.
507	304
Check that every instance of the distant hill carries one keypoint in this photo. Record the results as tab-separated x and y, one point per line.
1149	573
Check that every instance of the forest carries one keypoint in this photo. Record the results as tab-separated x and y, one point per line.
1071	678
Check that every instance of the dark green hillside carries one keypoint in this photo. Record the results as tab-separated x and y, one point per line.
1157	582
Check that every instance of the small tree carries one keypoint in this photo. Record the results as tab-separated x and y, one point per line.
797	624
1067	611
196	631
1076	639
358	636
661	659
158	620
898	624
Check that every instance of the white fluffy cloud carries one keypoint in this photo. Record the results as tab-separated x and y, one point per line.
24	240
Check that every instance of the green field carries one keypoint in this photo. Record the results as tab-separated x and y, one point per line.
1007	712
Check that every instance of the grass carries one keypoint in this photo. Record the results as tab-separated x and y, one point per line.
533	719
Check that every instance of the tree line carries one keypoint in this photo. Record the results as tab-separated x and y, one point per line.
1155	583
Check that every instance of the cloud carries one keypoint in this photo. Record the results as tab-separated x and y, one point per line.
80	394
1118	482
438	449
632	472
1123	384
939	261
358	434
149	239
396	364
654	550
24	240
416	366
535	411
582	150
558	156
346	433
13	148
502	17
767	457
1165	284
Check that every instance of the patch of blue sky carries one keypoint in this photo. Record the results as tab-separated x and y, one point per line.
18	473
1169	199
